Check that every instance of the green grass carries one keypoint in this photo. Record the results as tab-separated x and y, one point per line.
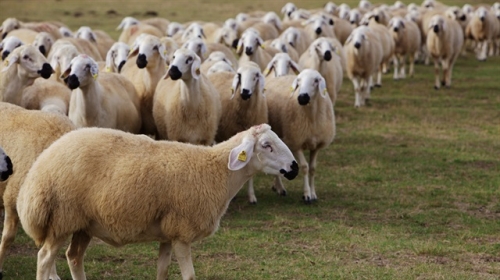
408	190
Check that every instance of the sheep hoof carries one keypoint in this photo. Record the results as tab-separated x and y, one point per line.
1	275
378	85
307	199
443	83
436	87
253	202
283	193
367	102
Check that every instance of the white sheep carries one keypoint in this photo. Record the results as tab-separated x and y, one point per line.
47	95
194	30
282	65
251	44
186	189
219	66
44	41
298	38
99	38
133	28
306	122
444	43
214	58
175	28
220	34
407	37
116	57
325	55
65	32
484	28
145	67
287	10
342	28
25	134
364	57
5	166
60	57
285	47
8	45
105	100
22	67
186	106
243	104
319	26
198	46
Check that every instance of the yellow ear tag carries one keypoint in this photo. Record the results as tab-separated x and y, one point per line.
266	71
108	69
242	156
95	76
337	51
165	52
262	46
6	63
292	89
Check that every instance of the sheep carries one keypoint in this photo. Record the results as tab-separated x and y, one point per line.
287	10
116	57
99	38
222	35
198	46
252	44
344	10
342	29
186	106
212	59
108	100
145	71
5	166
304	123
354	17
298	38
175	28
281	65
239	114
331	8
284	47
132	29
47	95
365	4
8	45
186	188
444	44
318	26
44	41
22	67
325	57
65	32
83	46
484	28
25	134
60	57
364	57
219	66
194	30
407	37
13	26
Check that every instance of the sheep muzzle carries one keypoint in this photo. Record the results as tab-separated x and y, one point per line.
357	45
318	30
174	73
290	175
463	18
328	55
436	29
482	18
396	29
248	51
142	61
303	99
5	54
73	82
5	174
46	71
245	94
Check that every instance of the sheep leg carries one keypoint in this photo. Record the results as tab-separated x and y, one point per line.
355	82
183	255
412	65
402	63
491	48
312	171
76	252
47	256
379	77
446	69
278	186
484	50
364	92
251	193
396	67
304	166
437	83
164	260
10	225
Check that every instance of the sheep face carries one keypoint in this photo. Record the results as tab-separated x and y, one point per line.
174	28
396	24
429	4
437	23
331	8
308	83
399	5
263	150
5	166
250	41
344	11
272	18
43	41
86	33
364	4
288	9
185	65
317	24
357	37
323	48
231	23
219	57
193	31
82	71
354	16
242	17
127	22
220	66
300	14
116	57
282	64
65	32
197	46
61	58
279	45
481	13
31	63
149	51
291	36
8	25
8	45
249	80
456	13
227	36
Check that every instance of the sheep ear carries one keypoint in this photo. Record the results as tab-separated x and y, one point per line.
109	60
295	67
294	86
203	33
235	85
349	39
10	60
94	70
261	82
93	37
239	49
241	154
163	52
269	67
66	73
167	75
1	46
134	50
122	24
203	50
195	68
322	87
260	42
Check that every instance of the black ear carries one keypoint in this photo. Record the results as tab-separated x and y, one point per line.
377	18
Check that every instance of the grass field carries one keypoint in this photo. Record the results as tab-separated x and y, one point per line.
408	190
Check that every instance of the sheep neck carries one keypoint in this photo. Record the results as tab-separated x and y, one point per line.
190	92
12	85
87	105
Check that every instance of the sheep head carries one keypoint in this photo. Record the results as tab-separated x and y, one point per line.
5	166
43	41
82	71
220	66
149	51
358	37
61	56
197	45
86	33
185	65
249	80
250	41
174	28
116	57
397	24
127	22
8	25
288	9
323	49
31	63
308	83
263	150
193	31
65	32
8	45
437	23
281	64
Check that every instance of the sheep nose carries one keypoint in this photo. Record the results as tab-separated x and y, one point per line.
142	61
328	55
396	29
463	18
4	35
303	99
290	175
174	73
289	13
357	45
73	82
248	51
6	173
245	94
436	28
46	71
482	18
5	54
121	66
318	30
235	44
42	49
352	22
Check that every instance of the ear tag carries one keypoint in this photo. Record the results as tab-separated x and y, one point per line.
108	69
292	89
263	47
95	76
6	63
242	156
266	71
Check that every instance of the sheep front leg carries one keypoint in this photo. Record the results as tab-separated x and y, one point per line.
304	166
396	68
278	186
402	72
445	64
412	65
164	260
357	93
437	83
10	225
379	77
75	254
483	51
47	256
183	255
365	91
312	171
251	193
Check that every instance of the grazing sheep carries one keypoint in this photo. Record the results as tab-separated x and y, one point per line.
281	65
5	166
22	67
186	106
212	59
364	58
304	123
326	57
407	37
47	95
251	44
484	28
25	134
8	45
145	71
186	188
116	57
444	43
44	41
108	100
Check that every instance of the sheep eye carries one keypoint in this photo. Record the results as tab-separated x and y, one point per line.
26	56
155	48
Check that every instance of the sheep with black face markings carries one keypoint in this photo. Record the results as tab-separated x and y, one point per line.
186	190
281	65
407	37
8	45
117	57
5	166
250	47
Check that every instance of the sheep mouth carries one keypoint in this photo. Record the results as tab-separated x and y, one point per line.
290	175
5	174
46	71
174	73
318	30
73	82
5	54
328	55
245	94
436	29
304	99
142	62
248	51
